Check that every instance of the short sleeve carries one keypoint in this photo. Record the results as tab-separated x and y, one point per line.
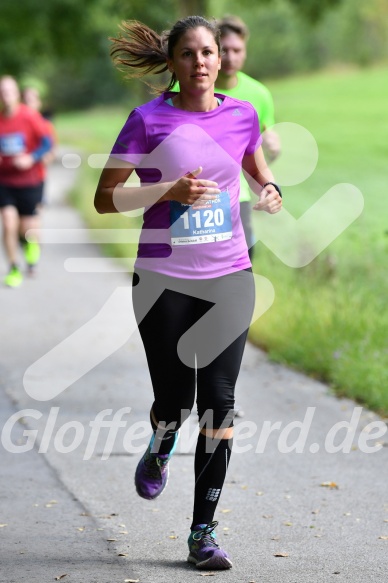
256	137
131	143
267	118
39	125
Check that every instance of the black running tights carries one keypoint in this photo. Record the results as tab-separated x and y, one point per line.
194	333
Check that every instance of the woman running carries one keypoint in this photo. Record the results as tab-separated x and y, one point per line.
193	288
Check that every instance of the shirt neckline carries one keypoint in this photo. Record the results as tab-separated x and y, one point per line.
170	94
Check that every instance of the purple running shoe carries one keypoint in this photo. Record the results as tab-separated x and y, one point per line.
205	552
152	472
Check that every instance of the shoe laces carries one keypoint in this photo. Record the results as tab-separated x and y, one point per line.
206	534
154	465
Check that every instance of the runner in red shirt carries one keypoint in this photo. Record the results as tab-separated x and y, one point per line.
31	97
24	140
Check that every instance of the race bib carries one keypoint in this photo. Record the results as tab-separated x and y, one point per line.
204	222
12	144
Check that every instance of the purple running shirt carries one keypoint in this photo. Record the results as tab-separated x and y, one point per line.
204	240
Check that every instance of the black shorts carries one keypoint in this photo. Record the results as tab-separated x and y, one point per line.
25	199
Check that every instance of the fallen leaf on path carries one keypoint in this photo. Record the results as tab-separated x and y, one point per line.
60	577
267	516
123	532
207	574
122	555
259	493
174	536
380	444
3	525
131	580
280	554
331	485
111	540
81	528
383	537
287	523
366	429
275	537
226	510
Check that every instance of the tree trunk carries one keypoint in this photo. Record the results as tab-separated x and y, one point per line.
191	8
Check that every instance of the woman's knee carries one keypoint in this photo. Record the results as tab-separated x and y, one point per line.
217	416
171	419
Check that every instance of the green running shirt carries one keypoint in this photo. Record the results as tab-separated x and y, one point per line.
248	89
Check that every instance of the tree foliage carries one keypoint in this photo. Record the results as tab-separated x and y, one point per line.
66	42
313	10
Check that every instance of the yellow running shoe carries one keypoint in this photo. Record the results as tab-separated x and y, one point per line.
31	252
14	277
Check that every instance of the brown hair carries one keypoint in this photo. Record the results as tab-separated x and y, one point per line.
139	50
230	23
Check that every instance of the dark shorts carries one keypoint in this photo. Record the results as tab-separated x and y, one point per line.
25	199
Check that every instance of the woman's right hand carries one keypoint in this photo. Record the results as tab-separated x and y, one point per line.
189	190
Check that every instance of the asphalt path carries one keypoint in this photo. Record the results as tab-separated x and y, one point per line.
306	497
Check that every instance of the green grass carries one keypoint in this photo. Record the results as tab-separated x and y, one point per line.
329	318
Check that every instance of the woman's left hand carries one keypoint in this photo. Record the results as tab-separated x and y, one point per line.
270	200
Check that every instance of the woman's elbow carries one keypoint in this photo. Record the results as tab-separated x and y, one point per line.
98	206
102	204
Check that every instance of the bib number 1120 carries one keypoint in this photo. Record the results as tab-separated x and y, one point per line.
209	217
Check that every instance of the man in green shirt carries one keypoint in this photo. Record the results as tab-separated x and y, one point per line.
233	82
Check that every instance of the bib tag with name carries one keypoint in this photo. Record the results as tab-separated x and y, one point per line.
12	144
203	222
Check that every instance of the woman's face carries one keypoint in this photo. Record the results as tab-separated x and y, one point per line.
196	60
